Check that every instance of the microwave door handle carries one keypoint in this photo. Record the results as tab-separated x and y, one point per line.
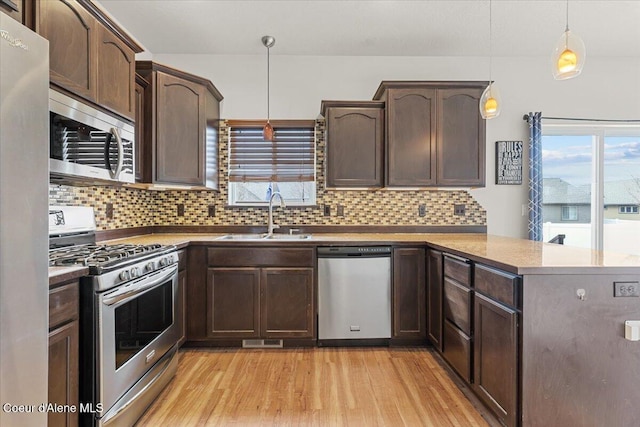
114	173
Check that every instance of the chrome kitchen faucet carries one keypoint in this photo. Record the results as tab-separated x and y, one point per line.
271	226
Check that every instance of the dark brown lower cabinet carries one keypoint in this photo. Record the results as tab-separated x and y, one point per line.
286	303
63	353
457	350
233	302
272	302
409	283
434	298
496	357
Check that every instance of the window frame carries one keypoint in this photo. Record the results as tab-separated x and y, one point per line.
598	131
569	210
233	186
627	209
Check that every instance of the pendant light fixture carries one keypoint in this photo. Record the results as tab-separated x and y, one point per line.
568	55
490	102
267	131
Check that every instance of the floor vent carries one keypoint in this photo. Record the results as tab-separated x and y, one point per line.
261	343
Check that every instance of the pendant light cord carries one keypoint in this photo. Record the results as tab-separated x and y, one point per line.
268	82
567	27
490	44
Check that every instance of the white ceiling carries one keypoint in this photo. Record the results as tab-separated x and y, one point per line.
378	28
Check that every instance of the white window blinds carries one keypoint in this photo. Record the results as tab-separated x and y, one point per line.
289	158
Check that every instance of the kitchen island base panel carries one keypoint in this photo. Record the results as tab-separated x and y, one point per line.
574	352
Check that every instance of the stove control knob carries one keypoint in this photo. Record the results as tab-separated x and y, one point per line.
124	275
134	272
170	259
163	261
150	266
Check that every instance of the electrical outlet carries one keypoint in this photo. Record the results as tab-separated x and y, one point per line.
180	209
459	210
626	289
340	211
109	211
422	210
327	210
212	210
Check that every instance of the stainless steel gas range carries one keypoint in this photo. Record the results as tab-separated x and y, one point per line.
128	325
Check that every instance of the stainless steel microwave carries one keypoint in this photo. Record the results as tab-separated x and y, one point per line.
88	145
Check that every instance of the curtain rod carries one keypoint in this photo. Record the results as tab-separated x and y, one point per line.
526	117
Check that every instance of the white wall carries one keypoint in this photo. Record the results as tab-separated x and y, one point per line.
607	88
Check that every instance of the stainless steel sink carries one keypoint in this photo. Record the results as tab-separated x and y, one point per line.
264	236
288	237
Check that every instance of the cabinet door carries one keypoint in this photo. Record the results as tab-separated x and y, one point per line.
13	8
496	357
70	30
354	149
180	131
434	298
287	303
461	138
142	153
409	316
411	155
233	302
116	73
63	373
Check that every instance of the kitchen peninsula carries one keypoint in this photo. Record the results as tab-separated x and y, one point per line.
568	330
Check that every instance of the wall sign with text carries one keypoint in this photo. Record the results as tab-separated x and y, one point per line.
508	162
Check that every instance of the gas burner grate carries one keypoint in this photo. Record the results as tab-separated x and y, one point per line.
92	255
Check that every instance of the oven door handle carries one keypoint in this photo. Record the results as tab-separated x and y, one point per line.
136	288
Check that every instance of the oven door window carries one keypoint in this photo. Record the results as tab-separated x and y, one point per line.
141	320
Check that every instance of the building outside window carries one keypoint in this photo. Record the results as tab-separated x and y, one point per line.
628	209
569	213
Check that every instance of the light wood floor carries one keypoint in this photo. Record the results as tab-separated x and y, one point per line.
311	386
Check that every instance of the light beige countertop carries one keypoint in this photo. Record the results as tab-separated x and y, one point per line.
519	256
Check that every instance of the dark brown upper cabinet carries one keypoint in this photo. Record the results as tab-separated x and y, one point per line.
89	55
354	140
116	73
410	149
13	8
181	118
435	135
460	138
71	31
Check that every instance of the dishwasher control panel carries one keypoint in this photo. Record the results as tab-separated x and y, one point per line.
331	251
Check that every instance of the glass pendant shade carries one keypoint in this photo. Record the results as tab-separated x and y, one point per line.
490	102
267	132
568	56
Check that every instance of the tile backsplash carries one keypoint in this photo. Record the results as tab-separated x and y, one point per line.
137	207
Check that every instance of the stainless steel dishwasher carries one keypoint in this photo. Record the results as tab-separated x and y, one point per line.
354	293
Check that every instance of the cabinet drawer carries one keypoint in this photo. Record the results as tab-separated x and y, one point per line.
457	305
457	270
258	257
182	259
457	350
497	284
63	304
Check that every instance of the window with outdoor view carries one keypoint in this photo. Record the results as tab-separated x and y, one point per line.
591	186
258	168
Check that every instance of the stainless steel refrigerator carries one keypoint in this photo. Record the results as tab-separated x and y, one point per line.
24	182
